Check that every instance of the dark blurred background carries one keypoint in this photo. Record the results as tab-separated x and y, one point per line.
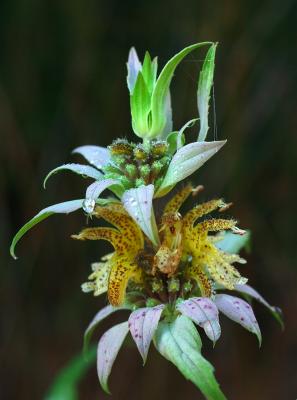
62	84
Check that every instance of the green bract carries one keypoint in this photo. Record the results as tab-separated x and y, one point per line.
150	97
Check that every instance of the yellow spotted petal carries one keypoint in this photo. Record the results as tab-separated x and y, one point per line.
195	271
116	215
202	209
121	272
121	246
100	276
176	202
222	271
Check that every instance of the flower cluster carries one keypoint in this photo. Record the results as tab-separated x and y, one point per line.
171	269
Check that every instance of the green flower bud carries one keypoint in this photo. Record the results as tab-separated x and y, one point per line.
139	182
173	285
152	302
145	171
111	169
126	182
157	285
159	148
119	160
131	170
157	167
187	287
121	147
139	153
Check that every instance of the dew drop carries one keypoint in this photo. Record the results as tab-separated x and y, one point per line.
88	205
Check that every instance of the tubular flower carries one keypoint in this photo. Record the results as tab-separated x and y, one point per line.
187	254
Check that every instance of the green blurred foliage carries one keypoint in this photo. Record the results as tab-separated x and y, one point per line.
62	84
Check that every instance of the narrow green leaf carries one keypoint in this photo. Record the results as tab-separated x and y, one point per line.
180	343
65	384
140	101
61	208
86	171
204	87
180	141
162	87
149	72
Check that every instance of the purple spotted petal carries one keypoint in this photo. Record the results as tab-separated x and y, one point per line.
239	311
95	155
143	324
108	348
139	204
276	312
204	313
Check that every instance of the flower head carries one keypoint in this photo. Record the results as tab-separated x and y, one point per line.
186	261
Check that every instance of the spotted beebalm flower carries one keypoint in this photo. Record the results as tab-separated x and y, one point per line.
171	285
172	270
157	164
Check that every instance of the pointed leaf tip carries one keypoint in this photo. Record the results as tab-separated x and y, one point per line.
158	107
60	208
85	170
204	313
239	311
108	348
205	84
180	343
143	324
133	67
251	292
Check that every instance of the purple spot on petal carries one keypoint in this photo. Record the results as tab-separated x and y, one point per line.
241	319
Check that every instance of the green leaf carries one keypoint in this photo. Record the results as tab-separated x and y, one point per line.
232	243
180	343
140	101
60	208
204	87
180	137
162	87
149	72
65	384
172	141
85	170
186	161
